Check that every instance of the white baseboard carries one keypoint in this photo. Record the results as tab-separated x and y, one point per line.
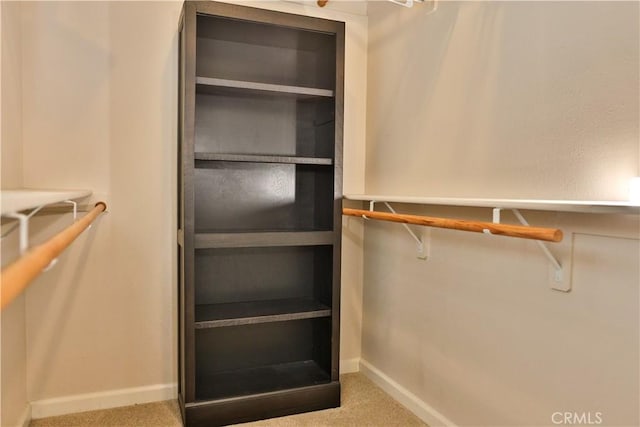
420	408
349	366
102	400
25	419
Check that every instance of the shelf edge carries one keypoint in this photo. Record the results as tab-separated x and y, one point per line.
263	87
257	158
22	199
579	206
263	239
206	324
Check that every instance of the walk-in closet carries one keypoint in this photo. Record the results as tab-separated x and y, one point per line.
320	213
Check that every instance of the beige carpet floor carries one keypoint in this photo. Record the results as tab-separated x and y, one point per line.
363	404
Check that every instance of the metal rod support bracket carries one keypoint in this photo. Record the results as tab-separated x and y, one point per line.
23	229
423	246
75	208
496	220
406	3
23	226
558	280
496	215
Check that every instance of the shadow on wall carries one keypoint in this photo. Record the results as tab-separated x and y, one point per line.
423	24
58	298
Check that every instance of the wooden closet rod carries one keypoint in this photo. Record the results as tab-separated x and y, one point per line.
17	275
525	232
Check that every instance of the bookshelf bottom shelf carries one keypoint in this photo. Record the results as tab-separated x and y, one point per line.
261	380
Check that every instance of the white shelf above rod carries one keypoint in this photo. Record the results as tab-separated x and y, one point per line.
14	202
560	276
24	199
582	206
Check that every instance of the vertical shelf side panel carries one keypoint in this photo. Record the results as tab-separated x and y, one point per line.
337	199
180	213
187	144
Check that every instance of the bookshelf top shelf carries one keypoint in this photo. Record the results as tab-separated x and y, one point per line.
216	85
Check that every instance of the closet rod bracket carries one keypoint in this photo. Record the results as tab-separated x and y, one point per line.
559	280
496	219
23	226
496	215
23	229
423	245
75	208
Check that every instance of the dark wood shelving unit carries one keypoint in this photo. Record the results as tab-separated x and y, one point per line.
260	213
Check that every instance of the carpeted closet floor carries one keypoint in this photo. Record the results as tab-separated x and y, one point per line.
363	404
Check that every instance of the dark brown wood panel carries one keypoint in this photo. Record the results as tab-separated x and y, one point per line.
259	406
253	312
187	144
337	205
263	239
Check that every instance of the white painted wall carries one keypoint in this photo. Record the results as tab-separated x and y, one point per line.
13	390
503	99
99	112
11	123
515	100
468	334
